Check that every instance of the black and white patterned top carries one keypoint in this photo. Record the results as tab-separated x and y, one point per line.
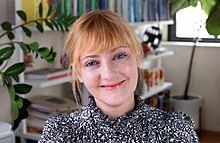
143	125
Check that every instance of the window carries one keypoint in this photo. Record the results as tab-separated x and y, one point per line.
190	23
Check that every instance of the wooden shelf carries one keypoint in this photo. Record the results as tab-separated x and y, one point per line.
164	86
164	54
140	25
48	83
146	62
32	136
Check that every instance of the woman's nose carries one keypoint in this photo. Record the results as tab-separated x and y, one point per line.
108	70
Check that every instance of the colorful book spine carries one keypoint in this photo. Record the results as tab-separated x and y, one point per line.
152	10
75	9
95	4
81	7
132	10
125	9
111	5
88	5
67	7
119	7
145	10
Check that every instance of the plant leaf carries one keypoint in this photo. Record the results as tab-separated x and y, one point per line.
177	5
40	10
26	31
10	35
193	3
39	27
34	46
44	51
23	47
18	101
6	53
22	88
6	26
49	10
1	62
14	110
22	15
11	91
213	22
50	25
208	5
47	54
55	24
61	26
6	79
15	69
51	57
22	113
16	78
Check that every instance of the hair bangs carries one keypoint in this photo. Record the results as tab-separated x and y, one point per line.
102	35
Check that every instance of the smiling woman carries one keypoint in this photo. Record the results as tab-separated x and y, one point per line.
105	56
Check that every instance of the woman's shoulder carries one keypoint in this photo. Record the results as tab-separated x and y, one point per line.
171	126
157	115
75	117
62	126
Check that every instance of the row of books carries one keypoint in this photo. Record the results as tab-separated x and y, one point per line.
44	106
47	73
131	10
160	101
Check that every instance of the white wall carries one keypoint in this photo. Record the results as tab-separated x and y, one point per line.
205	80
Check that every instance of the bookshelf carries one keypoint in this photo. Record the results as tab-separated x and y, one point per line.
48	83
160	55
147	64
148	94
22	132
144	25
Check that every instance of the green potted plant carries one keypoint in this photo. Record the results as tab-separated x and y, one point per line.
9	75
187	102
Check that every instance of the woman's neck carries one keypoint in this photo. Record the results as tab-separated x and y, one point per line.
116	111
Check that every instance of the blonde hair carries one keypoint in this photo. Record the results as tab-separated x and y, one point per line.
97	31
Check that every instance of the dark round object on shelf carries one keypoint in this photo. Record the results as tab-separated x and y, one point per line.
152	36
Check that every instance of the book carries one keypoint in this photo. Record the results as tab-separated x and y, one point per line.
38	114
51	104
47	73
81	7
35	122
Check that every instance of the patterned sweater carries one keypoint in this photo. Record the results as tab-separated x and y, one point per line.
143	125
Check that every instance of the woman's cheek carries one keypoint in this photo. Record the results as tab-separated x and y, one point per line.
87	75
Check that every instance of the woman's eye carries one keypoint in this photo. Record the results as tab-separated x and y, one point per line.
120	56
91	63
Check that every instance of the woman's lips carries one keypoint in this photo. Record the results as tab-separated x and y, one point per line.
112	86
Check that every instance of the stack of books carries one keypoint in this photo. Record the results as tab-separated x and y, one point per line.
160	101
43	106
47	73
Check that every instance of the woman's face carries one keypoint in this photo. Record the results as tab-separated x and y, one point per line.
111	77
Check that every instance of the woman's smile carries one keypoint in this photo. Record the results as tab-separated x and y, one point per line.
111	86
